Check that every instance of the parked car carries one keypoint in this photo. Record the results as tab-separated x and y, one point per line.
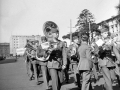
2	58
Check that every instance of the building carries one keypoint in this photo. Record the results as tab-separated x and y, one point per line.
113	24
4	49
19	41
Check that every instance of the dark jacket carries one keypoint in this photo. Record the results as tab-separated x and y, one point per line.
58	56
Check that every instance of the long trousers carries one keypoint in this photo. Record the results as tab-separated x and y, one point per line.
86	76
30	70
95	71
36	70
28	66
107	77
115	73
66	73
45	76
57	78
75	71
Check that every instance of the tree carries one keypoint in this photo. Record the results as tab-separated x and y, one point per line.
68	35
85	23
84	19
118	8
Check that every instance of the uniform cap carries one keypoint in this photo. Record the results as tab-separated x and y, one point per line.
43	38
85	36
75	37
105	28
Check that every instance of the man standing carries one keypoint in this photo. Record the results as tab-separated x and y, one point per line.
41	53
85	63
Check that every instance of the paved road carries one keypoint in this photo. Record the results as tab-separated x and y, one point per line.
13	77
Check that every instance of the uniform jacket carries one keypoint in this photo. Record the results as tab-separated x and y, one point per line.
116	50
58	57
85	61
106	54
41	52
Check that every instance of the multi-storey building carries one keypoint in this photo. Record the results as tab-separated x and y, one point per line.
4	49
113	24
19	41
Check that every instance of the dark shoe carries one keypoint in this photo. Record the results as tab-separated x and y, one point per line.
66	81
38	83
79	86
47	89
75	83
31	78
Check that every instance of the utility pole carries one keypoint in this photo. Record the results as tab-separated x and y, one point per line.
70	31
119	19
90	33
119	7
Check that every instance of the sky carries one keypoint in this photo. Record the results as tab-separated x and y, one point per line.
26	17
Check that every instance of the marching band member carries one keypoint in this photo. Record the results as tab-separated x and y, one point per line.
74	57
68	64
41	53
95	51
106	61
116	55
85	62
35	63
58	57
28	61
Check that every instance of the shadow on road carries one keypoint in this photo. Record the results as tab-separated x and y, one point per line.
8	61
76	88
96	87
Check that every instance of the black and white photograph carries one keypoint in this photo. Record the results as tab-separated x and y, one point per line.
59	44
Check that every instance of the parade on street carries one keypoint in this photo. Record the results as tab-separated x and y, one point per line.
60	45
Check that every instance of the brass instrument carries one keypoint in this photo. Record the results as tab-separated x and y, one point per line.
73	50
31	50
48	27
47	48
43	55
